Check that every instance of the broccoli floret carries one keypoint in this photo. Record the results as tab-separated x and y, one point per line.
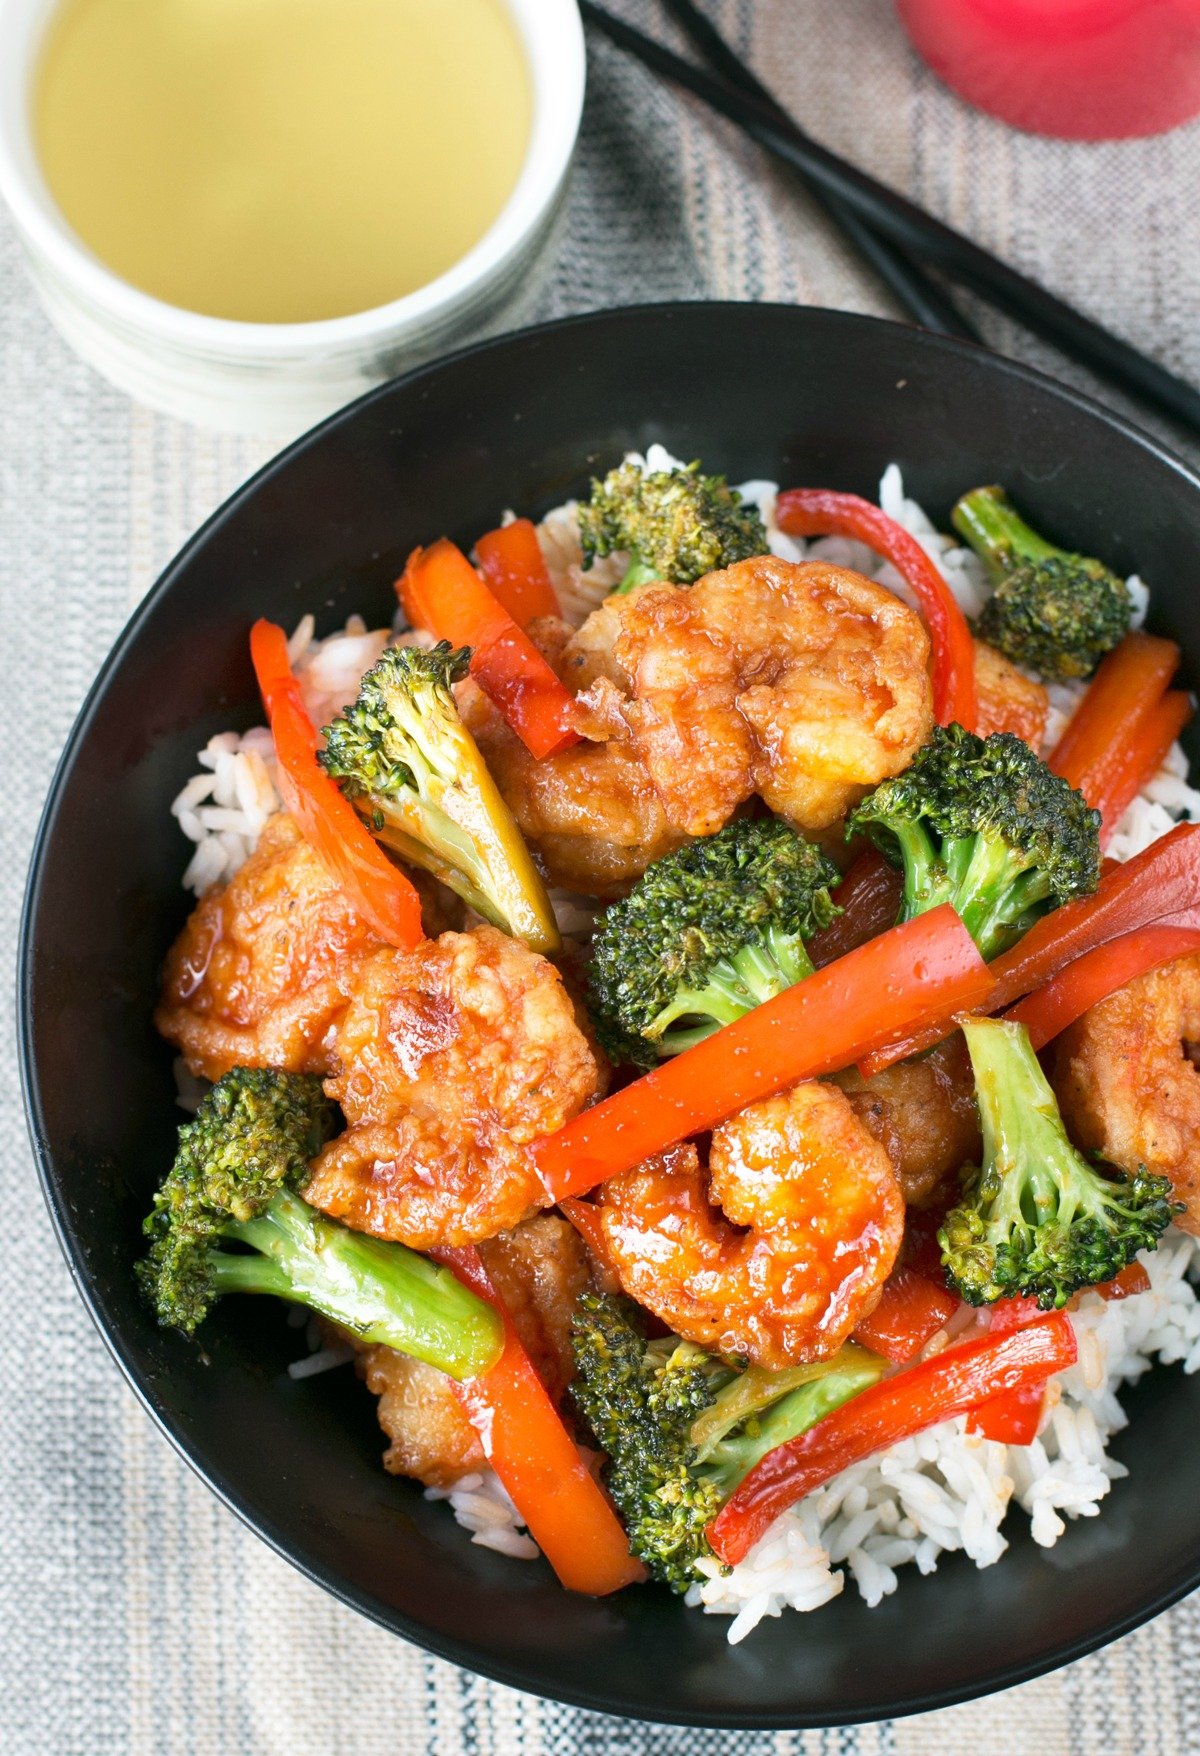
234	1181
705	935
982	823
404	758
674	524
1055	612
1036	1219
682	1428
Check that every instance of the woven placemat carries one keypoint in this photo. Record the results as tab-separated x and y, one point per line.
137	1617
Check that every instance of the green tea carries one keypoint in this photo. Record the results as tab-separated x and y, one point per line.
280	161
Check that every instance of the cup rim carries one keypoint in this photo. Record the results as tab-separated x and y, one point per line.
551	33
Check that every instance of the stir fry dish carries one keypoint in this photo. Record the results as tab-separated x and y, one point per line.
700	1012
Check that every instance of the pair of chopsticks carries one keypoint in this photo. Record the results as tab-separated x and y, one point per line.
891	232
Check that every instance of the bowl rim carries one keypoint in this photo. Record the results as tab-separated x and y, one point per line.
455	1651
552	40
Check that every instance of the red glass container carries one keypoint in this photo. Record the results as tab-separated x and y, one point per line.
1079	69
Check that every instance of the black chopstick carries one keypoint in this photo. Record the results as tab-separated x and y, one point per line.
909	285
911	227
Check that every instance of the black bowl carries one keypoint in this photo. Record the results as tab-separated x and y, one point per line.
800	395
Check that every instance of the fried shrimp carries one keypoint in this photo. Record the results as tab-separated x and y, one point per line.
1009	701
540	1269
806	684
780	1249
923	1113
802	682
1127	1085
450	1059
262	971
592	811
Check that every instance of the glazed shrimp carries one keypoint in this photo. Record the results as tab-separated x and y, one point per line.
450	1059
1128	1086
804	683
781	1249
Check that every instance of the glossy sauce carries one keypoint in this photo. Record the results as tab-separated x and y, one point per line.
281	161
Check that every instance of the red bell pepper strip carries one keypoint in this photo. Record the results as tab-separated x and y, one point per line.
1013	1417
1096	975
441	591
1159	887
1112	793
586	1220
869	897
1132	1279
326	819
1128	682
926	968
821	512
535	1457
911	1309
514	567
950	1383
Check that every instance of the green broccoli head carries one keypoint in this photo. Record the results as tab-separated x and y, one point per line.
404	758
1055	612
1036	1220
254	1134
235	1181
640	1406
682	1429
982	823
705	935
674	524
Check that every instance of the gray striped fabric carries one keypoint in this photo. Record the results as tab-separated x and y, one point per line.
136	1616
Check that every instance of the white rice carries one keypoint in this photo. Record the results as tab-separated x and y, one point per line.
480	1504
941	1491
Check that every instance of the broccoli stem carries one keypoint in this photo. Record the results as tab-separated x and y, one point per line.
637	573
1018	1114
379	1291
734	986
424	835
997	532
730	1460
746	1394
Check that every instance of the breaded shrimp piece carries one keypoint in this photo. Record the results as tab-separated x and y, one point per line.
263	969
540	1269
780	1248
923	1113
802	682
1009	701
806	684
450	1059
1127	1085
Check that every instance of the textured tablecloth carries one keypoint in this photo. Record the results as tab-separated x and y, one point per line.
137	1617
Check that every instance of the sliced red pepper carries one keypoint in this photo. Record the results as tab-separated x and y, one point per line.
1119	735
1159	887
1010	1419
587	1222
327	820
950	1383
925	968
821	512
1128	682
441	591
526	1443
911	1309
514	567
869	897
1132	1279
1145	754
1096	975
